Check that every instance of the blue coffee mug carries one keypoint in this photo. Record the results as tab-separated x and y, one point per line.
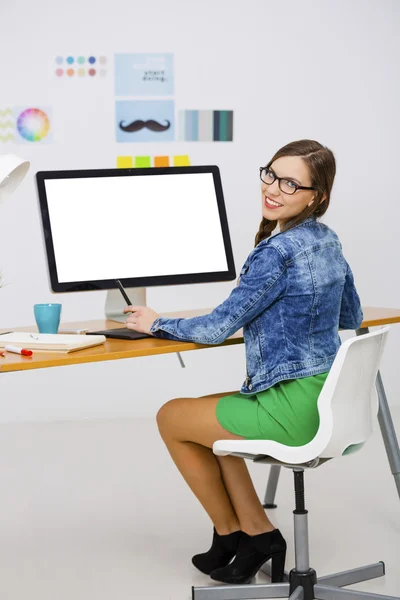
47	317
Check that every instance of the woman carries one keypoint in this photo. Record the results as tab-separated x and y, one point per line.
294	292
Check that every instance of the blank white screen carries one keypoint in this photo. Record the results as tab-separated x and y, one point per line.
135	226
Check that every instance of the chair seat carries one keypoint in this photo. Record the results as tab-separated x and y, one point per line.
295	455
269	460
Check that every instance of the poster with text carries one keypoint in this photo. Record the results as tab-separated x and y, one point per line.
144	75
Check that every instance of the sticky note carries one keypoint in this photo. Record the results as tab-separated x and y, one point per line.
142	162
181	161
124	162
161	161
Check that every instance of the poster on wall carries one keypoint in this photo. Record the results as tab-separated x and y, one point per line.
145	120
144	75
26	125
80	66
206	125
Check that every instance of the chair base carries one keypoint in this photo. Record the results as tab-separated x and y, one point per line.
300	586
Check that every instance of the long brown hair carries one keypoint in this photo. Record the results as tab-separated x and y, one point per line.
322	168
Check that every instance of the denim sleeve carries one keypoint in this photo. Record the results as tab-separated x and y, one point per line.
261	282
351	314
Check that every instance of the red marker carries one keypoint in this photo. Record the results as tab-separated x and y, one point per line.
22	351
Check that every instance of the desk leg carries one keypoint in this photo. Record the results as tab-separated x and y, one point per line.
388	434
387	427
181	360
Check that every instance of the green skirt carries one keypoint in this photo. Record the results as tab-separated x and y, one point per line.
286	413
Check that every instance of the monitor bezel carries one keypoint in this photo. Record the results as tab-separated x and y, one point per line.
133	282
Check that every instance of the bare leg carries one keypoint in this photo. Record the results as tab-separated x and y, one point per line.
244	498
199	468
189	428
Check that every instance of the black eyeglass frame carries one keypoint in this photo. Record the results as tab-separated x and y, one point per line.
298	187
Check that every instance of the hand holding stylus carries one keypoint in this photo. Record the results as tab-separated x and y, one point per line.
141	318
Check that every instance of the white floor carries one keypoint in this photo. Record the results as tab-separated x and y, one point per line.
97	510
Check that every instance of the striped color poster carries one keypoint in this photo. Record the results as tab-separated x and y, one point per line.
206	125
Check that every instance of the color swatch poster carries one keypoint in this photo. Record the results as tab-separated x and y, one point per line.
80	66
206	125
144	75
145	120
26	125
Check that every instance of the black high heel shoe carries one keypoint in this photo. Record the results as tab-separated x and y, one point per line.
252	553
223	549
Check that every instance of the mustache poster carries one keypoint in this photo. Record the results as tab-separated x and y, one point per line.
139	124
145	120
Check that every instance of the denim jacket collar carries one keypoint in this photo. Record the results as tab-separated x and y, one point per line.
305	222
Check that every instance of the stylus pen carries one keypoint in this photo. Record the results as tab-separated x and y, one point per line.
123	292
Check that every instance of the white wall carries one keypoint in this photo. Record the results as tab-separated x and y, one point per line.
321	69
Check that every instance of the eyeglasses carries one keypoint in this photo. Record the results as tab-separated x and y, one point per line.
287	186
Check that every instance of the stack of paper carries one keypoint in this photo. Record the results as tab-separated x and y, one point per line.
50	341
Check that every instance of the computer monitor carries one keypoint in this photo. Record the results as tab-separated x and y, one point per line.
145	227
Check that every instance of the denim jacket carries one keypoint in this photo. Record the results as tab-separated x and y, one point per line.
294	293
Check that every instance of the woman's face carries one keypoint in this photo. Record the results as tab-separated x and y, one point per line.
278	205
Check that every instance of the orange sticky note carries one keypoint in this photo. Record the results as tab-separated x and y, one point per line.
181	161
124	162
161	161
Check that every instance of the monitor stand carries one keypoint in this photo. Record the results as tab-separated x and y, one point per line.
115	302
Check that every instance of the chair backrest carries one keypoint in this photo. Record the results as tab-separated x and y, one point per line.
347	407
348	402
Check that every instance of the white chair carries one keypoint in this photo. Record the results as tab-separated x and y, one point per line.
348	406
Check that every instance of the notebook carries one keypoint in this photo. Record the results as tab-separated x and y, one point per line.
50	341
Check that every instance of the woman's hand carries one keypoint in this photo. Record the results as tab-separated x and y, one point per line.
141	318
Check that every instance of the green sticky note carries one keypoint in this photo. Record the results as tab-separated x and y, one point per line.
142	162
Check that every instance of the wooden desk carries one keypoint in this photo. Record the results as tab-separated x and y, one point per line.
117	349
110	350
